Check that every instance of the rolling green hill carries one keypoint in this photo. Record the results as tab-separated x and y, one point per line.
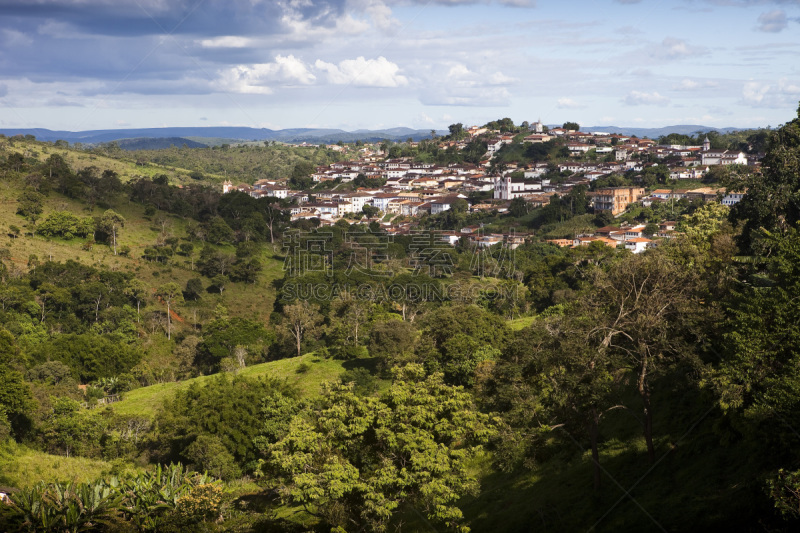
146	400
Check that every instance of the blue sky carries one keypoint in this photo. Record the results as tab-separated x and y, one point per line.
351	64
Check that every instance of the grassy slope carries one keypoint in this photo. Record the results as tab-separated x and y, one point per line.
125	165
250	300
22	467
517	324
146	400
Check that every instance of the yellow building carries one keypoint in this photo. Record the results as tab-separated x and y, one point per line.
616	199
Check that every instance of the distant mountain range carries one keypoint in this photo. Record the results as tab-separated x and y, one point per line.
218	135
654	133
137	139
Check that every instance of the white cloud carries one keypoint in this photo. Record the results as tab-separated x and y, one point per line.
60	30
422	120
687	84
227	41
677	48
308	30
363	72
629	30
498	78
772	21
642	98
378	12
781	95
569	103
480	97
60	101
257	78
671	49
789	87
16	38
753	92
460	75
459	85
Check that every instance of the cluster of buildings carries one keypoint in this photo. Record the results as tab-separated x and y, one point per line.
631	237
411	188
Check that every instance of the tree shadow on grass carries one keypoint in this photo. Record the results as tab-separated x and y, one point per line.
371	364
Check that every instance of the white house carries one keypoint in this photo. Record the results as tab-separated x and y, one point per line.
733	198
381	201
508	189
578	148
328	210
358	200
637	245
443	203
723	157
494	145
277	191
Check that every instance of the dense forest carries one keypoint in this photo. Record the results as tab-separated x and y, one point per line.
172	358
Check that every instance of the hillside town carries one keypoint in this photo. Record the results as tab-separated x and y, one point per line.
402	190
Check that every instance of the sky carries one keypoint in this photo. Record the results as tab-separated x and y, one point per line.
370	64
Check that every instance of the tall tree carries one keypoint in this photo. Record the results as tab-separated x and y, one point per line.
171	294
302	318
553	376
644	307
111	223
137	291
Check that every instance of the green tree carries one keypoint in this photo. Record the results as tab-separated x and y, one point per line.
224	414
301	175
519	207
361	461
302	319
571	126
208	454
16	401
644	308
90	356
391	339
348	317
552	382
194	289
772	199
219	282
223	335
31	204
136	291
111	222
152	499
758	373
470	320
71	430
171	294
218	231
456	131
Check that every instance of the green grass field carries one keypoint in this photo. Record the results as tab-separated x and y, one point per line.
125	166
22	467
146	400
523	322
